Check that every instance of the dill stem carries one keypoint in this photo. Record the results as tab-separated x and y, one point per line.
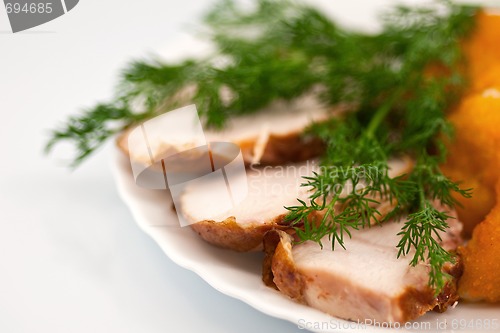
422	196
381	113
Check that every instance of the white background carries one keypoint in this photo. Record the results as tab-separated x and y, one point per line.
71	257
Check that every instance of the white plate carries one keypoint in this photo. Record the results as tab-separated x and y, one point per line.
239	275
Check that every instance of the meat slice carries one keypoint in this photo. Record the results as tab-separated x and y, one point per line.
272	136
365	282
243	227
270	190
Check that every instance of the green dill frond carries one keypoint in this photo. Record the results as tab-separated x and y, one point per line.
400	109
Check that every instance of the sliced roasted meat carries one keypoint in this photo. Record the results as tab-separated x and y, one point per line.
273	136
242	228
364	282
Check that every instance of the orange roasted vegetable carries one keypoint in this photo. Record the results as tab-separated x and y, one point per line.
483	52
474	155
474	159
481	259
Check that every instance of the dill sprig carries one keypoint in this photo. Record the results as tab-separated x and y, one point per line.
402	82
398	83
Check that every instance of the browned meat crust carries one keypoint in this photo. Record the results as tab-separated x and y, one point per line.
278	258
282	149
229	234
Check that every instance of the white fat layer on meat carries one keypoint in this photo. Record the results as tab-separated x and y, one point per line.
269	191
279	118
